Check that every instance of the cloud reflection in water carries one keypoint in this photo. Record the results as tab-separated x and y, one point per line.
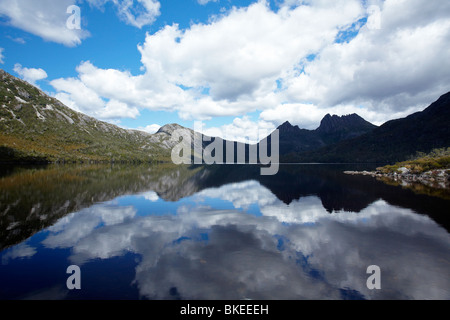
295	251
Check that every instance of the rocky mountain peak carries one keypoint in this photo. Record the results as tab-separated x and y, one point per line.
287	127
169	128
331	124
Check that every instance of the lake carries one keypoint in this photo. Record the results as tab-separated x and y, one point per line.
219	232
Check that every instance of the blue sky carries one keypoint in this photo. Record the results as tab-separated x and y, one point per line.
112	44
236	65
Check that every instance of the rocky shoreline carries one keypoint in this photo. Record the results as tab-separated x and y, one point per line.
439	178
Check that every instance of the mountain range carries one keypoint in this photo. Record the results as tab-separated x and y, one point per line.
332	129
394	141
37	128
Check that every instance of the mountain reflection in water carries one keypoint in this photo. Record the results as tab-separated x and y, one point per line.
221	232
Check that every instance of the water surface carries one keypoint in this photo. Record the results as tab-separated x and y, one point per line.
222	232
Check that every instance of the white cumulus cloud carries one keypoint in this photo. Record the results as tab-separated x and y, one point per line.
399	66
44	18
242	54
137	13
285	64
30	75
151	128
242	130
77	95
48	18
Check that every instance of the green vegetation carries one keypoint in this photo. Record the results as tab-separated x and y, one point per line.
421	162
37	128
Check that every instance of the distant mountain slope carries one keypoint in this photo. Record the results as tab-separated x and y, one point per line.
332	129
294	139
36	127
392	142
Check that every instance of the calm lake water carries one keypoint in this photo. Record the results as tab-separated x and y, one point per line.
223	232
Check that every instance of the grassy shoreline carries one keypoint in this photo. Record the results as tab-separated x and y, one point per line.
425	173
438	159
